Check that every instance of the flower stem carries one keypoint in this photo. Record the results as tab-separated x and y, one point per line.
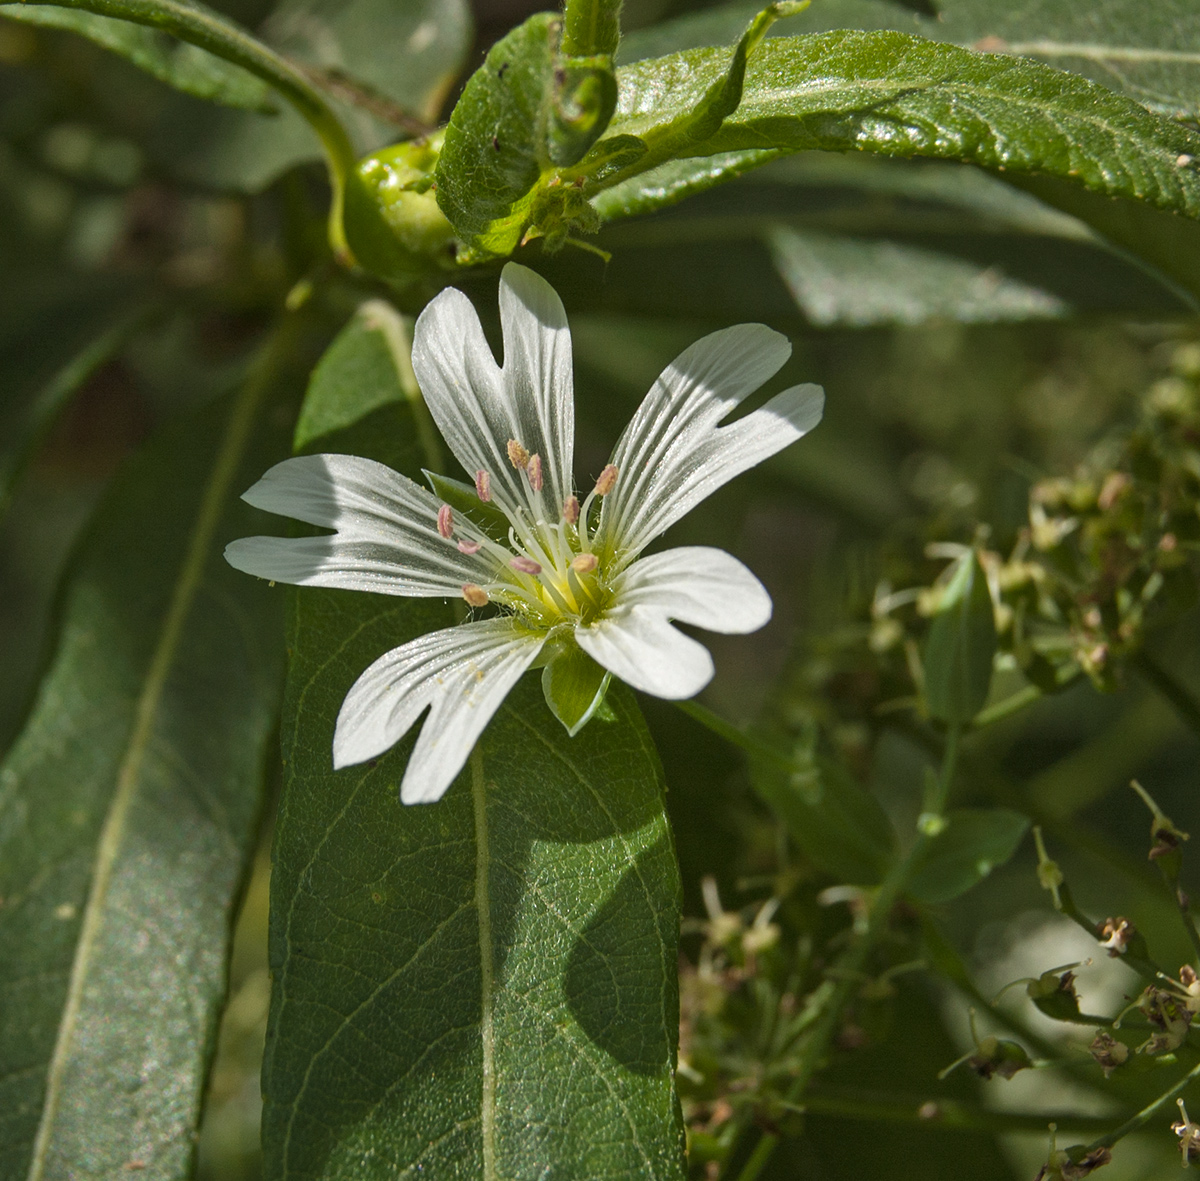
849	968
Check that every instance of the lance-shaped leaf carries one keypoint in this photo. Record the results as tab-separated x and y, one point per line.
129	807
961	645
180	65
974	842
900	95
481	987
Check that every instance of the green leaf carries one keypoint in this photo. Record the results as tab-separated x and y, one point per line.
485	986
973	843
1150	52
185	67
838	824
900	95
960	646
857	282
528	108
130	803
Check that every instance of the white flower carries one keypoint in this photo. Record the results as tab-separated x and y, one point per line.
566	576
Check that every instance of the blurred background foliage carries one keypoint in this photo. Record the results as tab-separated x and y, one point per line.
996	375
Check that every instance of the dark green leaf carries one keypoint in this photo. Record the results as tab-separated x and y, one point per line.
973	843
485	986
527	108
863	281
129	807
493	154
837	822
182	66
900	95
961	645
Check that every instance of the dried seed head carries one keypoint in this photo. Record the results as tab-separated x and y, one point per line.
534	471
445	524
468	547
517	455
606	480
483	486
525	565
571	510
585	563
476	596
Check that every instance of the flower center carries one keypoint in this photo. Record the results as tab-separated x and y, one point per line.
548	573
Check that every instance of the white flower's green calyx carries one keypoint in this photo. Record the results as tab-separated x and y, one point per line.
566	583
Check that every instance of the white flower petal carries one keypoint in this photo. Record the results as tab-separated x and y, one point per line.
697	584
386	540
645	651
461	674
673	454
479	407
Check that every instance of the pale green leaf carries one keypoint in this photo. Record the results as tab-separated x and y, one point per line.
858	282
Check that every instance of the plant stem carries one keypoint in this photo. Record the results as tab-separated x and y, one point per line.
850	965
214	33
1146	1114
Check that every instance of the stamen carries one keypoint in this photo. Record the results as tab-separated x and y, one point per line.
571	510
445	521
476	596
585	563
534	471
525	565
608	477
483	486
468	547
517	455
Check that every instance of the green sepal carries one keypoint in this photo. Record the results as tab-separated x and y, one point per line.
462	498
392	221
574	686
961	645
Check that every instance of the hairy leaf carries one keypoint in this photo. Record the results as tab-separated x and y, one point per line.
180	65
129	808
481	987
900	95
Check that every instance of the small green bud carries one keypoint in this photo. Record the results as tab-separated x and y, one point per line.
393	224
